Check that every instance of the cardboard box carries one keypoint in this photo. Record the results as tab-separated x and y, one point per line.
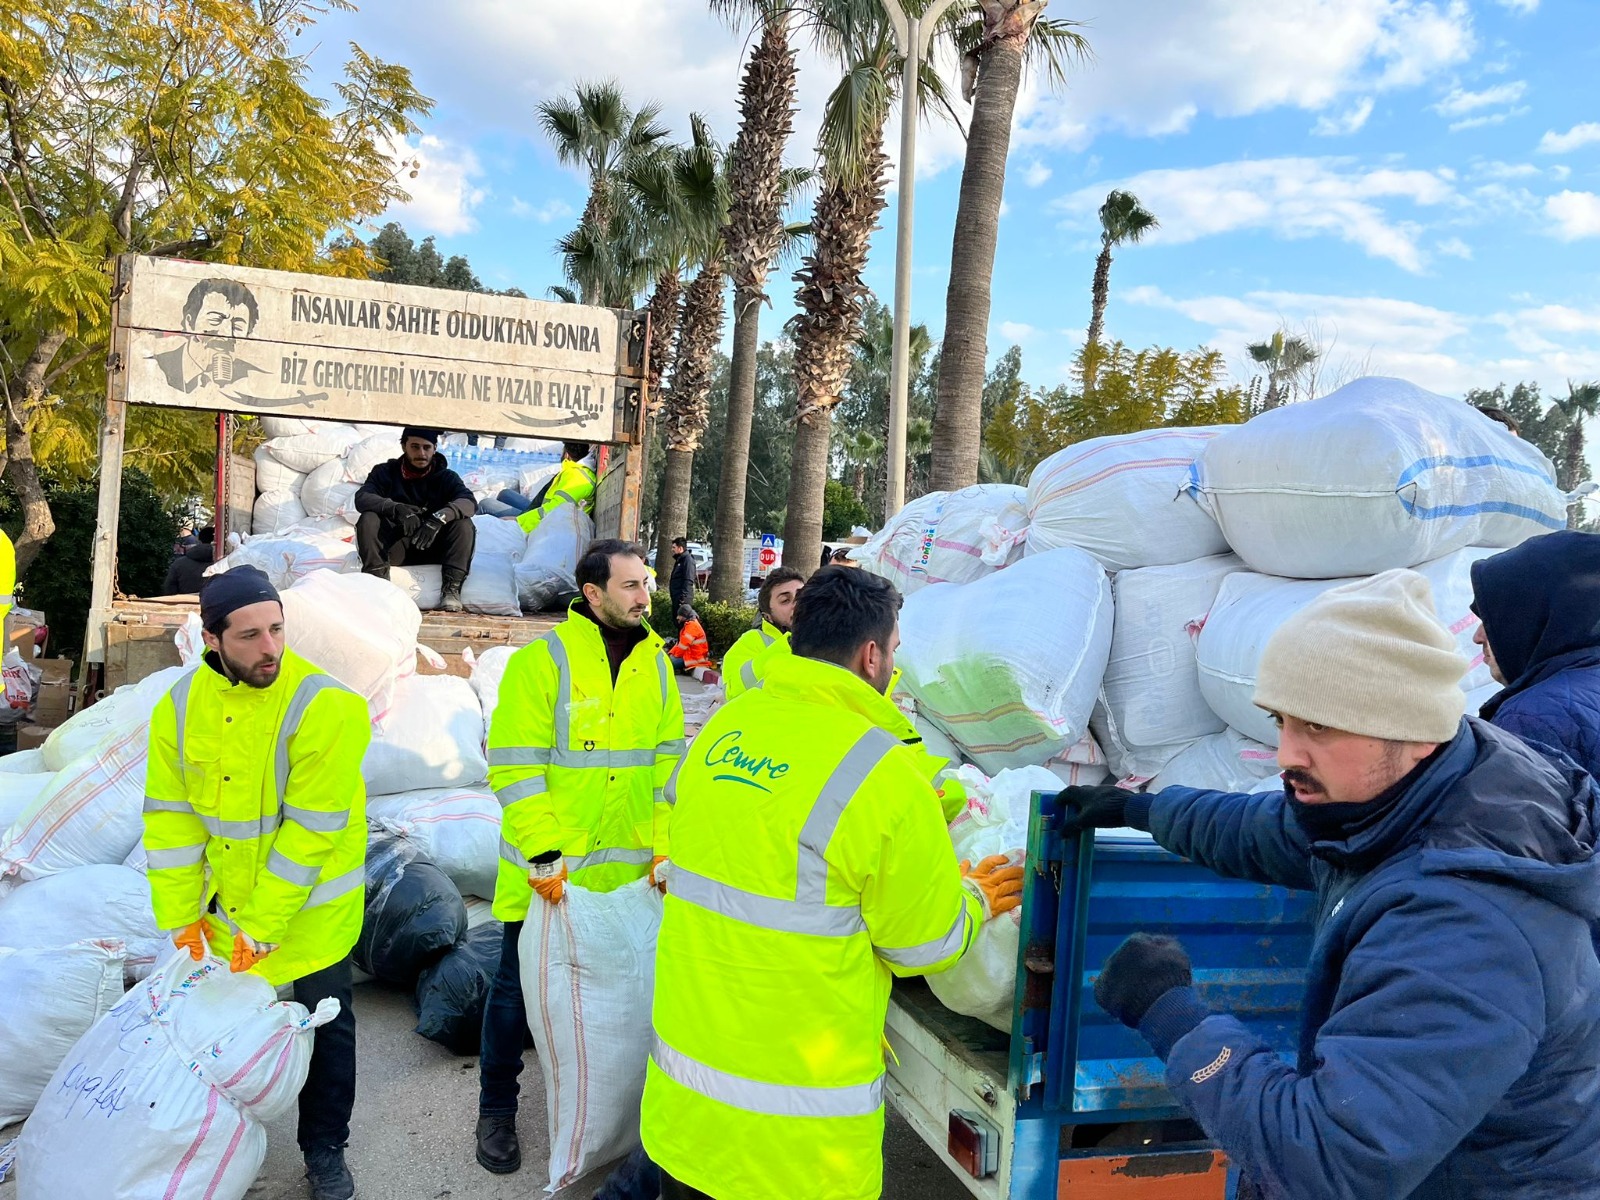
53	705
54	670
31	737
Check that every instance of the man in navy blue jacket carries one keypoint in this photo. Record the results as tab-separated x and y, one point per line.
1450	1040
1540	608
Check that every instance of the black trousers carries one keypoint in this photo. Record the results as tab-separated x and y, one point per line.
671	1189
381	544
505	1026
329	1095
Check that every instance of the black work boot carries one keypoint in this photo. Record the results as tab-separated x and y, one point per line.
379	572
498	1150
329	1177
450	600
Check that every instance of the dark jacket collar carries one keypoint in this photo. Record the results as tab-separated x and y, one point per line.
1548	669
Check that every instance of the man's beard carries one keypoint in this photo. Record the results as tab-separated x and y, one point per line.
615	615
263	675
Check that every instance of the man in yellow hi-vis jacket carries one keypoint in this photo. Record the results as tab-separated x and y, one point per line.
810	864
586	734
255	830
745	664
574	483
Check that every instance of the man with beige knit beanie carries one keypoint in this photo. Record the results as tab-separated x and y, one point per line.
1450	1044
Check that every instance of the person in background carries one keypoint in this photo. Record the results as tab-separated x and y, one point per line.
1501	417
587	732
414	510
747	659
1539	605
256	835
827	557
691	653
187	572
680	585
841	558
1450	1036
574	483
789	910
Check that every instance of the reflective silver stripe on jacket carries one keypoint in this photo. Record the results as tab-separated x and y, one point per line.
303	696
809	911
317	820
928	953
611	854
180	708
339	885
8	600
152	805
291	872
536	785
747	673
670	792
177	856
769	1099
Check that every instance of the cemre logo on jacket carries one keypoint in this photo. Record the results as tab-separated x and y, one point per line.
1212	1067
755	772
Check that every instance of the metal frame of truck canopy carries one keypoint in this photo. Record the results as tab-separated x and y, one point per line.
1072	1104
380	353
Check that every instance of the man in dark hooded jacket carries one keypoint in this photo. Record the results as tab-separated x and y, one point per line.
415	510
189	568
1540	608
1450	1030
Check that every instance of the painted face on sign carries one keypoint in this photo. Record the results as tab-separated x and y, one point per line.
219	322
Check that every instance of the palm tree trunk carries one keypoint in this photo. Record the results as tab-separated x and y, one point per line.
958	424
808	481
665	314
858	484
1101	294
728	579
1274	396
1571	473
674	519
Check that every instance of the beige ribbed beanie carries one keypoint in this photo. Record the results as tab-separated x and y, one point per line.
1371	658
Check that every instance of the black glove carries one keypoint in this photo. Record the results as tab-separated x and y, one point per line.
1141	970
1100	807
427	531
409	520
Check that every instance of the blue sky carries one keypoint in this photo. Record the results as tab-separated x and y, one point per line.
1416	180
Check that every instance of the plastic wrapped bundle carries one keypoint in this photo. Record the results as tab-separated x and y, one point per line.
413	916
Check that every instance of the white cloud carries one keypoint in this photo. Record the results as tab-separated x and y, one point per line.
1289	197
1498	118
1454	247
1519	6
1503	170
1345	123
1576	214
1564	143
1035	174
441	183
544	214
1015	331
1458	103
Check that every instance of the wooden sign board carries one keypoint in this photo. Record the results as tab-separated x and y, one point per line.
275	343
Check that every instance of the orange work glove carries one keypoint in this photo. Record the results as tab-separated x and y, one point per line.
658	873
549	880
193	939
247	952
995	883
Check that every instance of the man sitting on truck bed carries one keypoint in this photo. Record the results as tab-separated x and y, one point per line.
415	510
1450	1036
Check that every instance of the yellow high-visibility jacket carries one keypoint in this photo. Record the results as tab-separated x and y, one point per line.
8	585
746	662
254	797
580	765
573	484
811	864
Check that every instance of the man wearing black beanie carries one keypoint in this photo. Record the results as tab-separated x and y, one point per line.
415	510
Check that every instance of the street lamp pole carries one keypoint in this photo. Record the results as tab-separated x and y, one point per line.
912	34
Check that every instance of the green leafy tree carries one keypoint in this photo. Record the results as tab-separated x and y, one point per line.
405	261
172	127
841	512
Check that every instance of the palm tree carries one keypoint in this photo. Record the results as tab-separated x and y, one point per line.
831	294
862	449
994	469
595	129
994	46
1583	400
751	238
919	442
1286	358
1122	219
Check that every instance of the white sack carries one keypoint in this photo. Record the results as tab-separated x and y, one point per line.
496	535
17	794
949	537
360	458
357	628
282	427
491	586
288	558
23	762
1081	764
80	905
549	564
130	705
369	429
48	1000
306	452
1150	704
487	672
433	738
458	828
167	1096
1250	608
588	970
995	821
1222	762
272	475
423	584
1378	474
1123	499
328	492
1009	665
276	511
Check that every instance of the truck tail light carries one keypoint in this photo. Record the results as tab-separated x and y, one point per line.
974	1143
